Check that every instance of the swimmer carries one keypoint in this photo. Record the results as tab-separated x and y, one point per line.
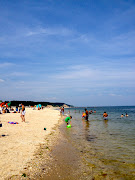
122	115
89	112
126	115
68	119
69	112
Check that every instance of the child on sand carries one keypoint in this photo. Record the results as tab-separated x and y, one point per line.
23	113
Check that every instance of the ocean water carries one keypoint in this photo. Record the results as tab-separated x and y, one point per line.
106	146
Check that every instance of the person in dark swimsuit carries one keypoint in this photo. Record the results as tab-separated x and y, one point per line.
87	114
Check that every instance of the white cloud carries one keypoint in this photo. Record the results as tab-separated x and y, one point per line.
115	94
88	72
1	80
50	98
20	74
123	44
84	73
49	31
6	64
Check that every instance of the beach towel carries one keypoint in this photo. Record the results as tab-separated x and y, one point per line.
13	122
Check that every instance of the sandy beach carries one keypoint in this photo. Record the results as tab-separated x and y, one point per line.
55	158
19	142
28	152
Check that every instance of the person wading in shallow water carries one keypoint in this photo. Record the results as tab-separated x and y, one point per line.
68	119
87	114
63	111
105	115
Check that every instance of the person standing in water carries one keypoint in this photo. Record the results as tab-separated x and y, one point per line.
105	115
87	114
68	119
63	111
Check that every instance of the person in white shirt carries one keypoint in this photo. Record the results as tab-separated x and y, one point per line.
23	113
0	110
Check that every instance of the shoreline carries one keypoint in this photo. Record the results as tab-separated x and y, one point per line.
21	141
38	166
55	159
62	156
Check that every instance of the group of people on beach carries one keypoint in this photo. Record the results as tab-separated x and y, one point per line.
20	109
10	109
62	110
4	109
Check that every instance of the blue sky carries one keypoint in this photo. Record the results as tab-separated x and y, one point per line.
81	52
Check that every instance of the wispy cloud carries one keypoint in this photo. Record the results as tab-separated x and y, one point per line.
70	74
95	73
115	95
20	74
49	31
123	44
6	64
1	80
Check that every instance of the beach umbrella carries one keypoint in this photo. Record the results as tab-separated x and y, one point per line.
9	104
39	105
2	104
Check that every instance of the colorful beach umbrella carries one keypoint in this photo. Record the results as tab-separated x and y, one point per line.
3	103
39	105
9	104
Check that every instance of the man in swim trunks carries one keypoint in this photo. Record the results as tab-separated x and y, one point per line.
87	114
105	115
68	119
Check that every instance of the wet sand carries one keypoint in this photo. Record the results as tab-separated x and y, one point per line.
66	161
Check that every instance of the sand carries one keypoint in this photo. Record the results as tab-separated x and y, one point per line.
21	140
